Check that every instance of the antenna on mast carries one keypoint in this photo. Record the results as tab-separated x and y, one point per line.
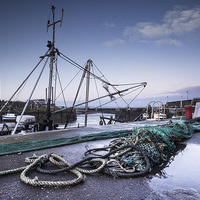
53	23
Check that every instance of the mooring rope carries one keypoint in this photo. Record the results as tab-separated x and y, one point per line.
88	159
36	182
101	165
66	164
28	160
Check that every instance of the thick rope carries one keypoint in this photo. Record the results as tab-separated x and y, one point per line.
66	164
35	181
12	171
28	160
36	161
88	159
116	173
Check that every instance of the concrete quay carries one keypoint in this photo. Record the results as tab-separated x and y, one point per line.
96	186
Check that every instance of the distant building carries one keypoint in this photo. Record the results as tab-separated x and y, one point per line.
193	102
15	106
182	103
37	103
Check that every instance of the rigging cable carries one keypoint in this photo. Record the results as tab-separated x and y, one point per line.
18	94
62	90
79	87
112	87
68	84
115	93
42	57
119	96
78	90
97	91
80	67
29	97
57	75
106	82
135	97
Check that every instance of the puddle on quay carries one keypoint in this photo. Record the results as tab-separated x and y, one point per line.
181	172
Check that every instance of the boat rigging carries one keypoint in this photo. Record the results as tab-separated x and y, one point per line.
52	54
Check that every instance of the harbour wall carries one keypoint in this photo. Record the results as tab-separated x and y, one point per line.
123	114
58	118
132	114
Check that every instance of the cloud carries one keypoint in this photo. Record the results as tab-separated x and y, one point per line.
177	22
163	41
192	92
109	25
186	92
182	21
147	30
113	43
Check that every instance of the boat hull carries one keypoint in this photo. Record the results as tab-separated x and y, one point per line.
9	118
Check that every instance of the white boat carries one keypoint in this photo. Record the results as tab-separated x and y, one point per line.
9	117
159	116
26	119
9	121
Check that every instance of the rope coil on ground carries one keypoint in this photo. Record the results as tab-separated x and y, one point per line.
12	171
125	173
38	161
35	181
66	163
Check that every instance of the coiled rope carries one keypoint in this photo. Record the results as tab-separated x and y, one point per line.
89	159
35	181
36	162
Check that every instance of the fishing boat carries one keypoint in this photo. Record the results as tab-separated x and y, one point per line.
9	121
113	91
9	117
26	119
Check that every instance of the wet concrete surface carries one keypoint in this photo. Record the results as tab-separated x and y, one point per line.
99	185
182	171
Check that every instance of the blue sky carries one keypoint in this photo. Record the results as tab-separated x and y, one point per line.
130	41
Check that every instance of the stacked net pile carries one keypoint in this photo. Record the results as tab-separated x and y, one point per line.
157	142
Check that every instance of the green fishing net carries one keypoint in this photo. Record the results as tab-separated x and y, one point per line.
157	142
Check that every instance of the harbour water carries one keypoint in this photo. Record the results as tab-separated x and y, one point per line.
92	120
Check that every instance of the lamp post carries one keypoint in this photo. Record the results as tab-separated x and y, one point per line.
182	105
181	102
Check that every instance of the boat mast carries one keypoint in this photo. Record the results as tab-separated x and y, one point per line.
89	62
51	45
